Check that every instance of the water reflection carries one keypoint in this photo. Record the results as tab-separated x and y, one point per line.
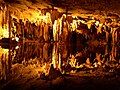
5	62
65	57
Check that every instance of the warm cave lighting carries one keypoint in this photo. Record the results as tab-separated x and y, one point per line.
52	44
4	32
17	47
16	39
3	51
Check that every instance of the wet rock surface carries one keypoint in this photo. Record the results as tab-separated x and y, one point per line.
91	79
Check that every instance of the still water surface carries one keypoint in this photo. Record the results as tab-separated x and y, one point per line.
59	54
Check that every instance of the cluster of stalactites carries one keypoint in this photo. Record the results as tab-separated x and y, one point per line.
4	22
34	16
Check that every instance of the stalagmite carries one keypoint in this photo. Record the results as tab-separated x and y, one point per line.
53	73
55	55
65	31
55	30
72	61
98	59
113	35
45	51
46	35
60	62
88	63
